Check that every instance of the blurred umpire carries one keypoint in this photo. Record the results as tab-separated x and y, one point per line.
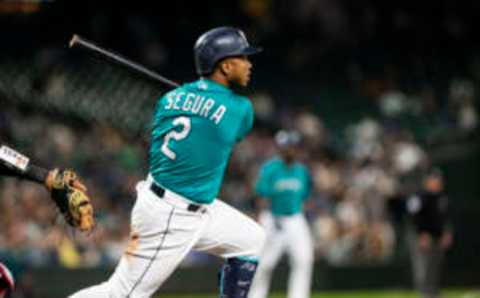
430	233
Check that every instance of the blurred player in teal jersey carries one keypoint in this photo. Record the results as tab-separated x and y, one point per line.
285	183
195	128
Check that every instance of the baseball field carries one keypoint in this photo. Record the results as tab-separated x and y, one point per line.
458	293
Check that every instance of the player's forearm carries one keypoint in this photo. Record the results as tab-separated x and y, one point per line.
36	174
14	164
32	173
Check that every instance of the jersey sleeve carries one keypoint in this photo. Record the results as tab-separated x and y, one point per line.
262	185
247	122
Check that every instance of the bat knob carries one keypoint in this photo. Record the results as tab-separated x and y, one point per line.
73	41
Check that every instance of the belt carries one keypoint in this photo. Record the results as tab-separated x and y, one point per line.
160	192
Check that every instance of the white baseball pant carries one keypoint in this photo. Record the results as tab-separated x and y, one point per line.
291	235
163	231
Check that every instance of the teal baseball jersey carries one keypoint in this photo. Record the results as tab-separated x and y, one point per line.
286	186
194	130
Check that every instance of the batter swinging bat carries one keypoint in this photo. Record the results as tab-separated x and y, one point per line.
81	42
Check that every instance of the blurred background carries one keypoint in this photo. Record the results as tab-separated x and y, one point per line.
380	90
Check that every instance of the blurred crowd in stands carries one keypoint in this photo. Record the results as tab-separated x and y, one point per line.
354	185
383	52
408	82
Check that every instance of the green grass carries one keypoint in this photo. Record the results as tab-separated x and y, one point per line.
355	294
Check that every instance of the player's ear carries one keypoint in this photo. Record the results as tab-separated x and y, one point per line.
225	66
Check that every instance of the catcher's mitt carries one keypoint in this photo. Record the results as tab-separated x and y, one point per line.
68	193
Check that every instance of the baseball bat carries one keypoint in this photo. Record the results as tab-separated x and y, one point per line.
80	42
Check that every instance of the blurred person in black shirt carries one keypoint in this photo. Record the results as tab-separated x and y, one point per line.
431	233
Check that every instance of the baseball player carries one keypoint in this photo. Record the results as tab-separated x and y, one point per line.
285	183
194	130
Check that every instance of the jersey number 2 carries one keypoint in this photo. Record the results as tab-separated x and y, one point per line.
176	135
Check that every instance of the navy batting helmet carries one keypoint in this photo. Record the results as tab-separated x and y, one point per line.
287	138
217	44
